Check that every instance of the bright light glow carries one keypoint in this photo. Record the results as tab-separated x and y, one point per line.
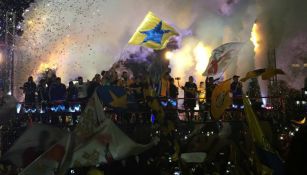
191	59
295	65
202	55
18	108
169	55
30	22
268	107
44	66
59	51
255	37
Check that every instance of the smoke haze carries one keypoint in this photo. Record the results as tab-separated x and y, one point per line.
81	38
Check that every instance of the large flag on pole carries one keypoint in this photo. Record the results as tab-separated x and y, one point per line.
268	157
221	57
153	33
220	99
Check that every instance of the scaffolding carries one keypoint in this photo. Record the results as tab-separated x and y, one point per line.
10	32
273	83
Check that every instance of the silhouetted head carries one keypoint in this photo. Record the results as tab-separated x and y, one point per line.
191	79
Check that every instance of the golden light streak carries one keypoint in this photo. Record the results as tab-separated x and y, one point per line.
301	122
255	36
1	57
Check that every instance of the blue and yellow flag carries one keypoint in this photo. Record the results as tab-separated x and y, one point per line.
153	33
270	162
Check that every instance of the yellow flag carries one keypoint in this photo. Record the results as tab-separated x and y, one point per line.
220	99
254	126
252	74
265	74
153	33
267	160
271	72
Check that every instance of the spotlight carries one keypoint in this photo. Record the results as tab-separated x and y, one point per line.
18	108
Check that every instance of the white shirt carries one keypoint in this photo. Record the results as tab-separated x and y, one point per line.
82	90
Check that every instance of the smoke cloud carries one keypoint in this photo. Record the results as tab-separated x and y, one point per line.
284	29
81	38
84	37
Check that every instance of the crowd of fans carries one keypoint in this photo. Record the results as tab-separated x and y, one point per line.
50	90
